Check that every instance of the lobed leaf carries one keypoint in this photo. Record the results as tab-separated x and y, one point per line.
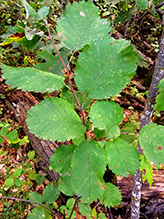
152	142
122	158
105	67
52	63
107	116
55	119
31	79
80	24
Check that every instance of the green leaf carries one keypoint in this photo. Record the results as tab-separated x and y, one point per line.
61	159
55	119
31	79
107	116
12	135
70	203
9	182
84	100
30	44
145	166
84	208
17	173
53	64
159	101
31	155
30	10
1	140
111	195
129	128
160	96
65	185
18	183
80	24
39	213
152	142
50	193
98	73
3	131
43	11
142	4
36	197
119	157
88	167
39	178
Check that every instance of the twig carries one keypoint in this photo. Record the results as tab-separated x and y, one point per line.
73	207
145	120
24	200
66	67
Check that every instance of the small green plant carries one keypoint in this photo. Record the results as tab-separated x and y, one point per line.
11	135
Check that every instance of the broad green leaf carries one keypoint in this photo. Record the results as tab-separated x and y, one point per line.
61	159
70	203
31	79
152	142
145	166
36	197
32	12
50	193
55	119
84	208
107	116
80	24
12	135
53	64
111	195
43	11
160	101
18	183
30	44
65	185
88	167
17	172
39	178
39	213
31	155
9	182
122	158
3	131
98	73
142	4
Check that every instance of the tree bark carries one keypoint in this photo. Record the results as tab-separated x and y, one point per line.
145	120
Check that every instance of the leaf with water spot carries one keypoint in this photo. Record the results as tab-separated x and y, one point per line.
80	24
152	142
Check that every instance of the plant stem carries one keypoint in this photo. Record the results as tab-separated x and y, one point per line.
67	69
24	200
73	207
